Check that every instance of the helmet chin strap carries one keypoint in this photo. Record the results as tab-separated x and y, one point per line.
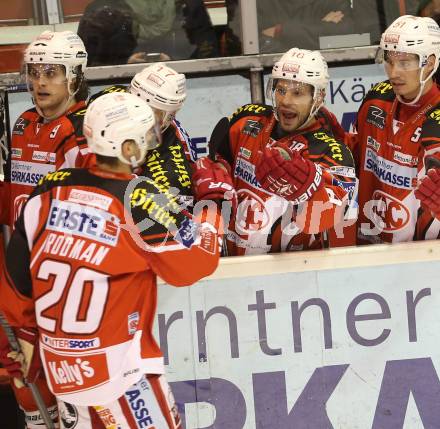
62	109
419	94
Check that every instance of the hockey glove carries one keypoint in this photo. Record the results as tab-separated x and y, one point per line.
287	174
24	364
211	181
428	191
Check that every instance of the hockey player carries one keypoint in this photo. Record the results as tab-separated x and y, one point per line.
44	139
164	90
49	136
87	282
398	138
293	176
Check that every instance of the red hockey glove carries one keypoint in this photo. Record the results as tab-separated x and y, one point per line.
296	178
211	181
428	191
25	363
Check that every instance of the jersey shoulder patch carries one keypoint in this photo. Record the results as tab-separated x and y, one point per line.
431	126
250	110
322	142
108	90
380	91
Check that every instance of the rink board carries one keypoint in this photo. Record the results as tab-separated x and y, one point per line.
352	347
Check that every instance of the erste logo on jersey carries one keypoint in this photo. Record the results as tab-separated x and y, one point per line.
405	158
83	221
246	171
389	172
29	173
376	116
393	212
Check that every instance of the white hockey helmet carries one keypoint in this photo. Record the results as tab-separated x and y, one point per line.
303	66
63	47
116	117
412	35
162	88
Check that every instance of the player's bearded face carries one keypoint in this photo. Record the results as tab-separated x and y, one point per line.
48	86
403	71
293	101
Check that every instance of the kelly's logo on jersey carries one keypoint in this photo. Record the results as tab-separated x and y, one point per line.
69	373
376	116
83	221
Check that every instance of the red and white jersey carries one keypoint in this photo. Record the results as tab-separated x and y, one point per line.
266	222
392	148
87	277
38	148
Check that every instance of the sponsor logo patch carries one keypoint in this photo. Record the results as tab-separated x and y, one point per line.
291	67
83	221
16	152
187	233
252	128
139	408
70	373
90	198
376	116
156	79
133	322
29	173
373	143
389	172
44	156
393	212
68	415
70	344
342	170
245	153
20	126
246	171
392	38
404	158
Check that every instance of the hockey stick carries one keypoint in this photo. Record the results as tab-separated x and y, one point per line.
6	235
15	346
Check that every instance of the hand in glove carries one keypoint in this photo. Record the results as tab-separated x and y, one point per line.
23	364
212	181
428	191
287	174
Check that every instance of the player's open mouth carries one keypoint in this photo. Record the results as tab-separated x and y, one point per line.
288	116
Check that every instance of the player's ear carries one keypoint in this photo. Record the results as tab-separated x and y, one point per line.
128	149
429	65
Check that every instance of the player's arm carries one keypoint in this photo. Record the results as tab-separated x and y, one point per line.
428	188
180	248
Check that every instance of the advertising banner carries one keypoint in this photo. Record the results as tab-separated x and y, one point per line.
347	349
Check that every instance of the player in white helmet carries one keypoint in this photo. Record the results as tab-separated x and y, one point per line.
398	138
284	157
90	234
44	139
